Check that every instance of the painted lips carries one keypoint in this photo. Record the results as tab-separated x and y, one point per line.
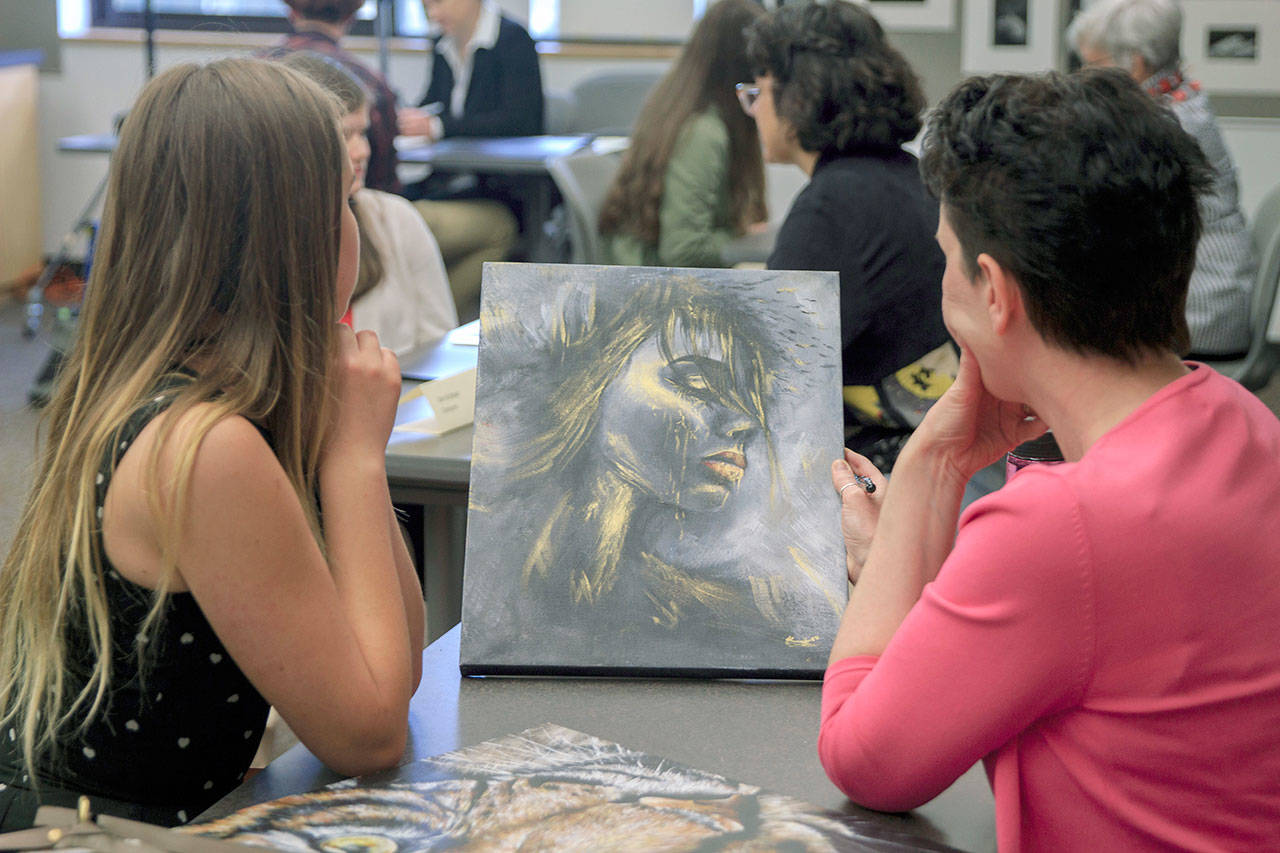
728	465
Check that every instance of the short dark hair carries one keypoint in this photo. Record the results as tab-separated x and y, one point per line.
1085	189
328	11
836	78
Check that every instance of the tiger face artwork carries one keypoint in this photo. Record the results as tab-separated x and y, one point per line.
548	788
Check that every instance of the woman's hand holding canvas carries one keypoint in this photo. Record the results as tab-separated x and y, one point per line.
859	506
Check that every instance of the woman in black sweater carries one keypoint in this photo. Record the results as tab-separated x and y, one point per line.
834	98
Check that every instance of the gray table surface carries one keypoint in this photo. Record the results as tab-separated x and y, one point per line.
511	154
505	155
88	143
762	733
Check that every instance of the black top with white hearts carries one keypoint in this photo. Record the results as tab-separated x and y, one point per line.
180	723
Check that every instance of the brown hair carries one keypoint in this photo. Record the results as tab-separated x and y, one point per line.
836	78
702	78
338	80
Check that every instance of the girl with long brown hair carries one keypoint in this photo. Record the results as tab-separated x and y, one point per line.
693	177
402	291
171	576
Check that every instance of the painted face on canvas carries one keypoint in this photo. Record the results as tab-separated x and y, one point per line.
672	424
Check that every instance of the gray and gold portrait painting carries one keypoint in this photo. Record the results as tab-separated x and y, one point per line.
650	478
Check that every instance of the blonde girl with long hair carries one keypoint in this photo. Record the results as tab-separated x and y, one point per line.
210	531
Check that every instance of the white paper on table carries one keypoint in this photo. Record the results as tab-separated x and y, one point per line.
452	400
404	143
466	335
610	144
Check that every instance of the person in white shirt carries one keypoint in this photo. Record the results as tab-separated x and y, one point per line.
485	82
485	79
402	291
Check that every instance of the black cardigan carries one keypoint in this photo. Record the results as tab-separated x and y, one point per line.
869	218
504	97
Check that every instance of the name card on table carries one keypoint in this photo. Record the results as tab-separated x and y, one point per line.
452	401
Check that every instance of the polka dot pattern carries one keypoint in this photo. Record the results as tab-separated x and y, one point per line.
173	737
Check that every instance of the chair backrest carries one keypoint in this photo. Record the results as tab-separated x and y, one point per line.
1263	356
584	180
609	103
559	110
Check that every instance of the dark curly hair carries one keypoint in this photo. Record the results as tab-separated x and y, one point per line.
836	79
1085	189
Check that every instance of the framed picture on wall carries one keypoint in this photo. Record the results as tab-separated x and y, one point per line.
1020	36
915	15
1232	45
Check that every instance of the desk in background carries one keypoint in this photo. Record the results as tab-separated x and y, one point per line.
505	155
511	155
88	143
429	477
523	157
762	733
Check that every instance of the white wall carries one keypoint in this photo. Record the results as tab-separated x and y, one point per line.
650	19
99	79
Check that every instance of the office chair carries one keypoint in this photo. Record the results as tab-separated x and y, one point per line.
583	180
607	104
1255	369
558	107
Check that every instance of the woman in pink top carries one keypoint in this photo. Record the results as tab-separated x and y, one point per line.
1102	633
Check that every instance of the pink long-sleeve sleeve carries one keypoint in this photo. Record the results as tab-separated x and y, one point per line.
1003	636
1103	634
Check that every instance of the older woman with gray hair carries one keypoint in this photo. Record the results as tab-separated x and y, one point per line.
1141	37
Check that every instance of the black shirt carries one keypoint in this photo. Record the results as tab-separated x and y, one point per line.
174	734
504	95
870	218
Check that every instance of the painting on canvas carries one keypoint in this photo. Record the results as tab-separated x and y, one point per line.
550	788
650	487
